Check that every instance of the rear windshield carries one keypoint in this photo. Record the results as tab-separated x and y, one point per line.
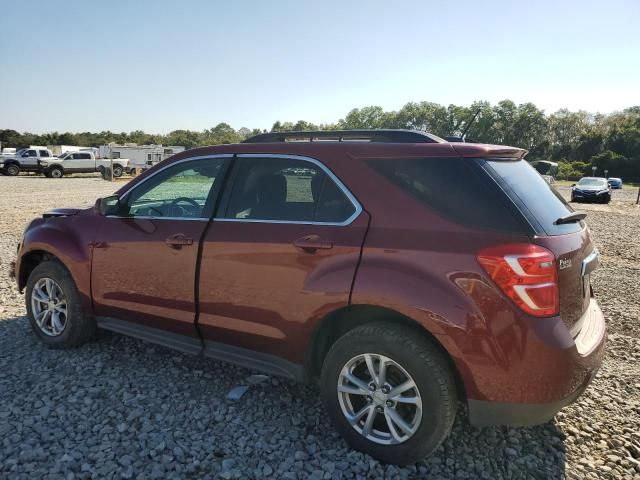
538	200
457	189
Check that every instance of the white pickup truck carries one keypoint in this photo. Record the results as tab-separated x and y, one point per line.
25	160
81	162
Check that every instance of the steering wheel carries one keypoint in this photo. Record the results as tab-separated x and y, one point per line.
174	204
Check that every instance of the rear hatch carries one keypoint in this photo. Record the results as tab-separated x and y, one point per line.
556	227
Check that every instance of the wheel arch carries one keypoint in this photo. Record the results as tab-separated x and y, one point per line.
337	323
31	260
14	163
55	165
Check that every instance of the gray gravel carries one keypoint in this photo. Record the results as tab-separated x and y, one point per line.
121	408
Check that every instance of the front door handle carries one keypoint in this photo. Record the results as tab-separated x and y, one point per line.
178	240
311	243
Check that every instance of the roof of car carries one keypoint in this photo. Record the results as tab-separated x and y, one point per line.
364	149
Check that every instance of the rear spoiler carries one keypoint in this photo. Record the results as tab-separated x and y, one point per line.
489	151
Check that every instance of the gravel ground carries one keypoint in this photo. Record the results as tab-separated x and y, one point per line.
121	408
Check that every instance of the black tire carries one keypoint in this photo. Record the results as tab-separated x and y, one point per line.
607	199
427	366
117	171
12	170
47	173
79	326
56	172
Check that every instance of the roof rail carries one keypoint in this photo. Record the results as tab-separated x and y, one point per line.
368	135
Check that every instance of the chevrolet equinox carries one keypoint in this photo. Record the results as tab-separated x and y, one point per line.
401	272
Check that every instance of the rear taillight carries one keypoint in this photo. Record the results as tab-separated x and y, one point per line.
527	274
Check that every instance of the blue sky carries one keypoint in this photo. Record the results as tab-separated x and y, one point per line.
159	65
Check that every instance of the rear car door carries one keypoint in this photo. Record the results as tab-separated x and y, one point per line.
84	162
280	254
144	265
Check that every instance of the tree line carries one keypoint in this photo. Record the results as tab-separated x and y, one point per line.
578	140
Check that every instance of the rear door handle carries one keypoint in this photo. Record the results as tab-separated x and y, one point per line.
178	240
311	243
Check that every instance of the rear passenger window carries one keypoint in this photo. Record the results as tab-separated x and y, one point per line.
44	153
455	189
281	189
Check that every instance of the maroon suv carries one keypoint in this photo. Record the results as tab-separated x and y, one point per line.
402	271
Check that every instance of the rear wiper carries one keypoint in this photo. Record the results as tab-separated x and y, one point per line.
571	217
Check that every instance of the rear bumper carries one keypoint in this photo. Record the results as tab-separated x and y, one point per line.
483	413
560	375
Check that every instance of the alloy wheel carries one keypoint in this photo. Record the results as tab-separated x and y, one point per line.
49	307
379	399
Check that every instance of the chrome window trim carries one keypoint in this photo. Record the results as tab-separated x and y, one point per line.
354	201
159	218
172	164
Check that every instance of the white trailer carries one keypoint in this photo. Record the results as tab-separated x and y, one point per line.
60	149
139	156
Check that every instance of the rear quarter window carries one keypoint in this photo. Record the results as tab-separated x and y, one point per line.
538	201
456	188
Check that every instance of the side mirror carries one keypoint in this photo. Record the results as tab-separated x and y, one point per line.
108	205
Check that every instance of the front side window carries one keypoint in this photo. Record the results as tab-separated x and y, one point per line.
183	190
289	190
30	153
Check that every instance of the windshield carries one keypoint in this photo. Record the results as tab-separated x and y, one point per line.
592	182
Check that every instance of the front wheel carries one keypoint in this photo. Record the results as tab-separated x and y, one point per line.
389	392
56	172
54	309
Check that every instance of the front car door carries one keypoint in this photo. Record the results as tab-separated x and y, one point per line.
144	264
29	159
280	254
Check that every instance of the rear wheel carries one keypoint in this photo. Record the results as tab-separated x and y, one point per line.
117	171
12	169
54	309
389	393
